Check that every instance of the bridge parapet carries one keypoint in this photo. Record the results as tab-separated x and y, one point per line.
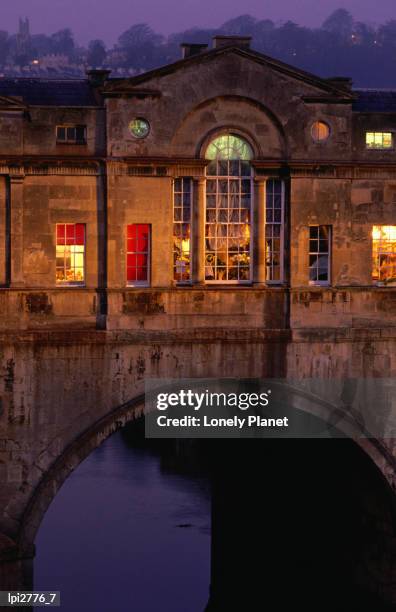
197	307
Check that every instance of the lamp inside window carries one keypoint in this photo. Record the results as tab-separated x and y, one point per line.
320	131
384	255
379	140
228	210
70	253
182	201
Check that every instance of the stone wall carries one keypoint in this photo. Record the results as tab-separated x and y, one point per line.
186	104
57	386
73	360
33	132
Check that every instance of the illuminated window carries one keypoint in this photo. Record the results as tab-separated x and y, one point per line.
70	253
71	134
139	127
228	210
274	222
384	254
320	131
182	199
379	140
138	254
319	254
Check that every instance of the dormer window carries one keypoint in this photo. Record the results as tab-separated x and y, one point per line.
379	140
71	134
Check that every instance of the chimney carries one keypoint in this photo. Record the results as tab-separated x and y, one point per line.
189	49
243	42
97	76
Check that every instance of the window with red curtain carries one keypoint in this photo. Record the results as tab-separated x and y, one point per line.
70	253
138	254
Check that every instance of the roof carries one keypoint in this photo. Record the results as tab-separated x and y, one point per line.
80	93
375	101
325	85
49	92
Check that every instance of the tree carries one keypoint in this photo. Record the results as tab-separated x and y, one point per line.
62	42
193	35
41	45
363	34
387	34
96	53
141	47
339	23
244	25
4	46
265	26
137	35
292	42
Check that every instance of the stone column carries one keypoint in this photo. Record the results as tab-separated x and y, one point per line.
198	233
259	271
16	230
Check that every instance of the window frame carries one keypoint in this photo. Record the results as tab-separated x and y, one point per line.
138	283
282	234
145	122
380	283
251	229
69	141
380	148
74	283
219	177
321	283
186	282
314	124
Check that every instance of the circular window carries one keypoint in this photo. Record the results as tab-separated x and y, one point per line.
139	127
320	131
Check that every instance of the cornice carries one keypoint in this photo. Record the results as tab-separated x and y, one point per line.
41	167
173	167
124	89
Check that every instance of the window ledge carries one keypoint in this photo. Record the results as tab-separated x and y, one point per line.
145	286
385	285
71	285
71	144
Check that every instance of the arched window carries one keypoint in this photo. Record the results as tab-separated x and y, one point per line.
228	210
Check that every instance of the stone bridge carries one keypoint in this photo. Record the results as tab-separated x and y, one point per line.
65	392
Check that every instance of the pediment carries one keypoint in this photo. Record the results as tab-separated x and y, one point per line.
148	84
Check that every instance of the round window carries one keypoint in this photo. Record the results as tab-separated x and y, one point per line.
139	127
320	131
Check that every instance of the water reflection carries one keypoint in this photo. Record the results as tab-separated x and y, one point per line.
126	532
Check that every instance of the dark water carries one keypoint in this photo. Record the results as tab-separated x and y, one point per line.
125	535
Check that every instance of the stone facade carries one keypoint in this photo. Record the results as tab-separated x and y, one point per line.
73	358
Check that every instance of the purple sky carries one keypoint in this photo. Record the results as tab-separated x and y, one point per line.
107	18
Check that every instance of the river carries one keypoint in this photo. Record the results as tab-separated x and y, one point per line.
125	533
